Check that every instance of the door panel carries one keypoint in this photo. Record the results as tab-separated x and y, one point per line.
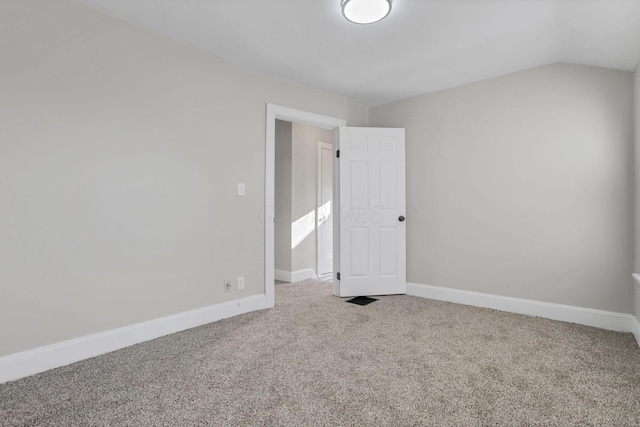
372	198
360	257
388	255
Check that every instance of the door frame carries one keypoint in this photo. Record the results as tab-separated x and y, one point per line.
273	113
321	145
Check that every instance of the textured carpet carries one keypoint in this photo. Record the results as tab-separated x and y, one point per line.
316	360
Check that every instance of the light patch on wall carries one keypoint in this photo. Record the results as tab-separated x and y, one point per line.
304	226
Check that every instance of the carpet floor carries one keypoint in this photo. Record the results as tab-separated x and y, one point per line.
316	360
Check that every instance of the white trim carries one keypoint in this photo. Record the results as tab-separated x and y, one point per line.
327	146
297	116
295	276
30	362
269	208
336	211
620	322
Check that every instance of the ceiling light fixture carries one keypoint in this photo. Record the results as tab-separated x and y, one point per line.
365	11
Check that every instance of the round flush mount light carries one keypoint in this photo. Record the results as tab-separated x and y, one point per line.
365	11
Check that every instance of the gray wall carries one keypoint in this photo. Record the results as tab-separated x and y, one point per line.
522	185
121	151
282	203
305	190
120	155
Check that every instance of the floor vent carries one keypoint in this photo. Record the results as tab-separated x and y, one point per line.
362	300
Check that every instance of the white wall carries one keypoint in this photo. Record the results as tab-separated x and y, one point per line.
305	192
522	185
120	152
282	202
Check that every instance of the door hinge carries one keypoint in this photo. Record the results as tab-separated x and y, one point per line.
338	153
338	276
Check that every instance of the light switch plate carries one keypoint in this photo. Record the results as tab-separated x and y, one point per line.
240	189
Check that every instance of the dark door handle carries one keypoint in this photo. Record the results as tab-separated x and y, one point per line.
401	218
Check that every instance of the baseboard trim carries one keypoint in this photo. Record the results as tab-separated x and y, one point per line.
610	320
30	362
295	276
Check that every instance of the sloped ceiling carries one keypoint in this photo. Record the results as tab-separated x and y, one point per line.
423	46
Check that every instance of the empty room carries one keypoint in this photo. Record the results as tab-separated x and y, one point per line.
319	212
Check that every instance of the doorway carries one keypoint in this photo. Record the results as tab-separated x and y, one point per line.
275	112
303	202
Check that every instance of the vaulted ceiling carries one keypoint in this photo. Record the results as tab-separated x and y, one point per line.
422	46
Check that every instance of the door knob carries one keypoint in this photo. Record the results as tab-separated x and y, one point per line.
401	218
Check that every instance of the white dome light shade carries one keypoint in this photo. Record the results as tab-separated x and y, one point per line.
365	11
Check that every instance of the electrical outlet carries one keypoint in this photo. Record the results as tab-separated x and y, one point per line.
227	285
240	282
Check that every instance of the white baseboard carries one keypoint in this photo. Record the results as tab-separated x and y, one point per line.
610	320
30	362
295	276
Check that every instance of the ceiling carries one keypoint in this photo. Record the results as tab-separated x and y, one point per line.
422	46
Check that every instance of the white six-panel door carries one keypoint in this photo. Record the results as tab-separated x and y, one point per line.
372	226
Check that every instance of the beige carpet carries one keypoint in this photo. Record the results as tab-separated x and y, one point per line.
316	360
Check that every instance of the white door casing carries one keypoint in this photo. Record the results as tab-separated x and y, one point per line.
325	209
372	207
